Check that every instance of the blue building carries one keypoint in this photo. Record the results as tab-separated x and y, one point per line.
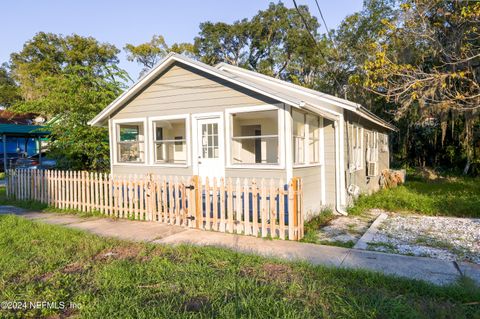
19	141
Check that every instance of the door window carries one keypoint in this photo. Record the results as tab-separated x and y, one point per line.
210	140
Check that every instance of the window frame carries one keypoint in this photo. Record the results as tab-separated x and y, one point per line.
152	140
281	136
115	140
307	162
376	143
354	152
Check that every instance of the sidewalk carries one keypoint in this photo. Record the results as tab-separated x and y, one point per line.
436	271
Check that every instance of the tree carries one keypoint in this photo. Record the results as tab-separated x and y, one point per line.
69	79
273	42
355	44
223	42
150	53
9	91
430	62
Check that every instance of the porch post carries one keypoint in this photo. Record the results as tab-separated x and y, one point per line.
39	146
4	138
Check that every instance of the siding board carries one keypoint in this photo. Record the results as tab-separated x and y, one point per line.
367	185
184	89
330	181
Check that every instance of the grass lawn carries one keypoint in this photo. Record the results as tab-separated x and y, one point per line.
40	207
454	196
110	278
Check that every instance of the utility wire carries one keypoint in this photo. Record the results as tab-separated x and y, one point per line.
306	25
324	23
313	38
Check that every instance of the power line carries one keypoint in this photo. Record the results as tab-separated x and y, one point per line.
324	22
315	40
305	23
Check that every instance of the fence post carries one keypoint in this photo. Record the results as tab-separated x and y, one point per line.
297	208
150	202
198	201
301	217
194	204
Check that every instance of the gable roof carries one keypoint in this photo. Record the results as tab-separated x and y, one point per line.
310	96
279	90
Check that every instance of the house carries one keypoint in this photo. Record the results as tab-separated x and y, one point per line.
20	137
187	118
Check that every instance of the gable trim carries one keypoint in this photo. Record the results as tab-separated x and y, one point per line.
166	62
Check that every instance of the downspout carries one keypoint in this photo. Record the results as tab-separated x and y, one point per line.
338	186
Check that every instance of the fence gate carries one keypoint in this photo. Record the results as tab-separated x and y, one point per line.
266	208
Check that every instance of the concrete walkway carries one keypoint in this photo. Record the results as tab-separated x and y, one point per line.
436	271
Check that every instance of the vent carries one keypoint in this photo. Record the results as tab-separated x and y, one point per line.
372	169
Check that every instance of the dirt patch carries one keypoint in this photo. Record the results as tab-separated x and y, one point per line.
270	272
73	268
66	313
119	253
196	304
248	272
44	277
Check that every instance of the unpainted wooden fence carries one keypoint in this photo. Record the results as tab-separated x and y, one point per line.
266	208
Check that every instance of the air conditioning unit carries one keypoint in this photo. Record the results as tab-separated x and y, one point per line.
372	168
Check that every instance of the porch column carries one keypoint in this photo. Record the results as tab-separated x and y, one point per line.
4	138
39	146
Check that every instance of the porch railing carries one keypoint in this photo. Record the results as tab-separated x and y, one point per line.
266	208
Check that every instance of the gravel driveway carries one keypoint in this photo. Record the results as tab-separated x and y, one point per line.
445	238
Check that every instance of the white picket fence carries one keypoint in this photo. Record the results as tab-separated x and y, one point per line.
243	206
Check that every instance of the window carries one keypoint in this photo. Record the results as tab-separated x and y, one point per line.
255	138
210	140
372	146
383	141
356	147
298	137
306	138
170	141
313	138
130	143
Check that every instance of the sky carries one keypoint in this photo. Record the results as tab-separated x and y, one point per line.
135	21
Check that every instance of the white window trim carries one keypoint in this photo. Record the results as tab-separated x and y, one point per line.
281	135
307	142
151	142
145	140
362	155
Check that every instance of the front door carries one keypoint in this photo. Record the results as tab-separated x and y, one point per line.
210	151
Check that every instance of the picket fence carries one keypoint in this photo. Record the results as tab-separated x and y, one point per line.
266	208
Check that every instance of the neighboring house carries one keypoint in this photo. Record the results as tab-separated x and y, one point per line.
187	118
20	138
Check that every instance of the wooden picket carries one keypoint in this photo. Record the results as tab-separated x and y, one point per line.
242	206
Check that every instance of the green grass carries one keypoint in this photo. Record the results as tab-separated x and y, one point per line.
40	262
312	226
337	243
457	196
40	207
